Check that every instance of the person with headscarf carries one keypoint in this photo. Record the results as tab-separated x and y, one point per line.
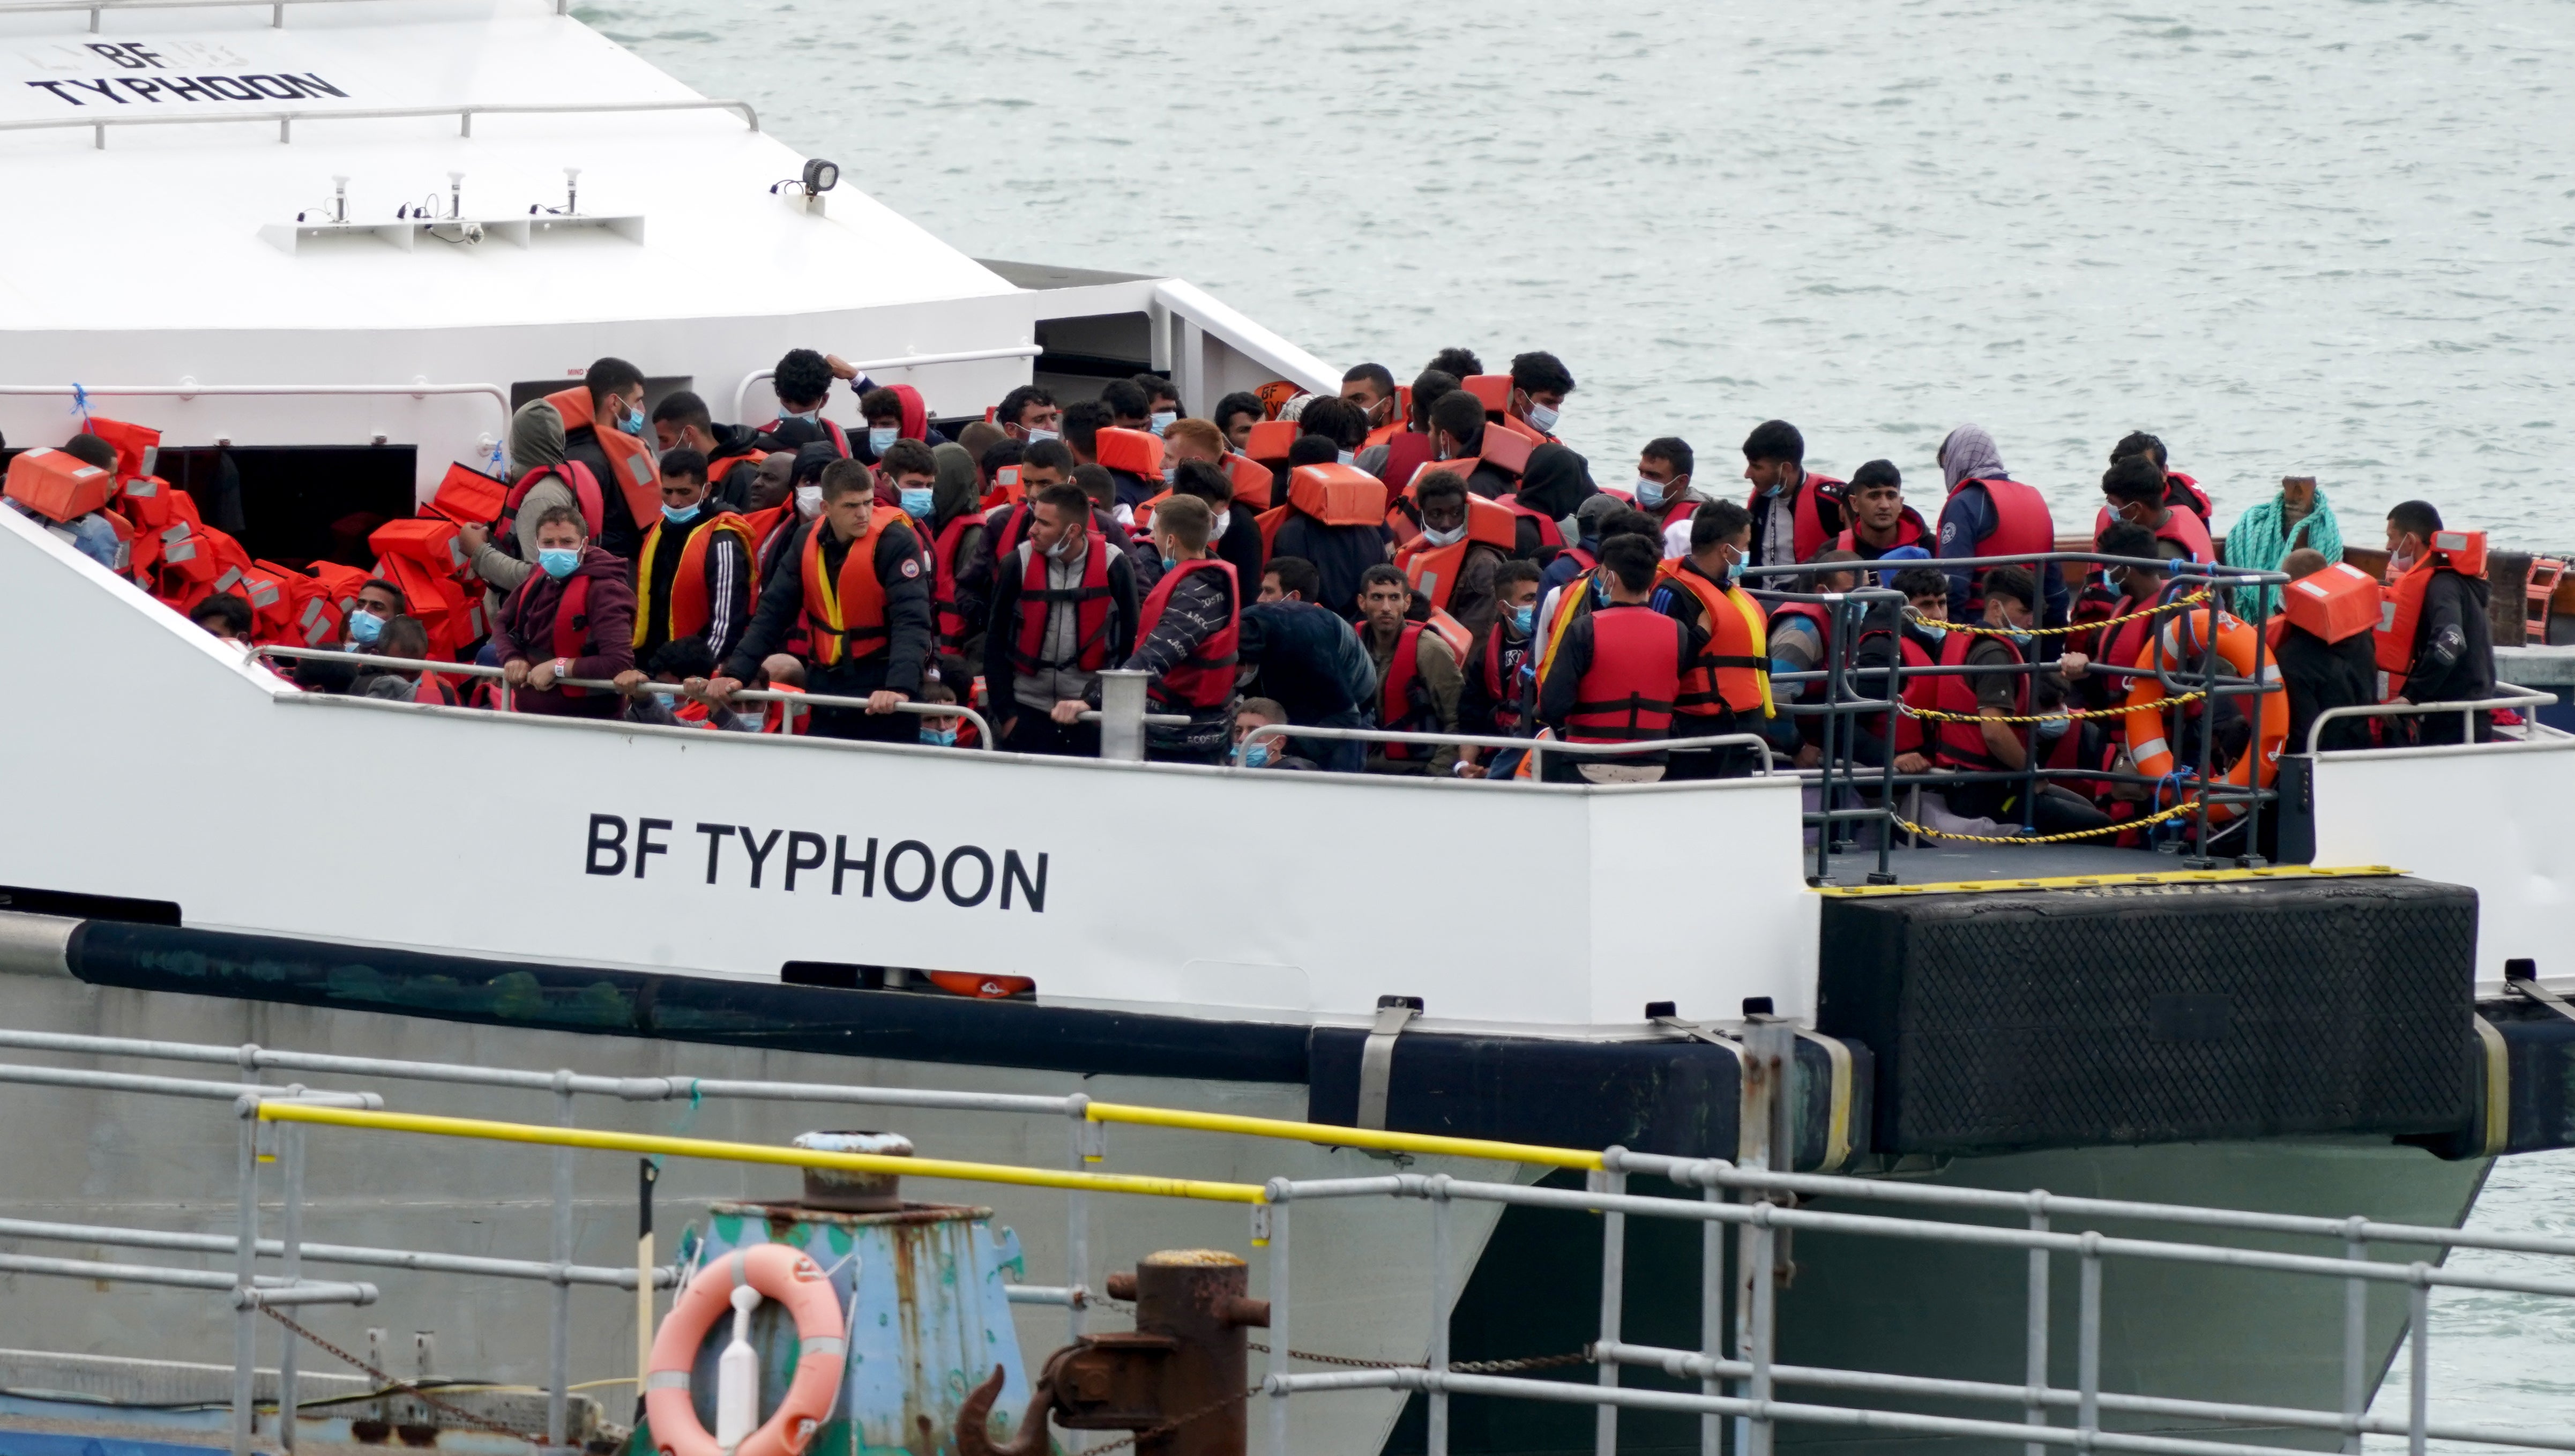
536	443
961	589
1990	514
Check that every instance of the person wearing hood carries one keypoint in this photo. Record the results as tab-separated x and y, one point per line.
894	411
695	578
681	422
960	582
1556	487
1990	514
2263	537
536	442
574	616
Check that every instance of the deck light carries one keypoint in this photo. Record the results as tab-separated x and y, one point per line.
821	176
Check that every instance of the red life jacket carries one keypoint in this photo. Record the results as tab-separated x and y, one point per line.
2124	644
1910	530
571	625
1403	703
1406	454
2400	619
1205	678
950	622
1813	612
1627	693
428	688
1091	606
1963	744
1918	693
2181	527
2023	527
1808	538
585	494
2191	495
630	460
1507	685
846	618
1433	570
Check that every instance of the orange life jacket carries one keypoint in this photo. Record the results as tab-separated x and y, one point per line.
1090	603
846	618
1433	570
1205	678
1629	692
630	460
1732	669
689	606
1251	480
2401	612
1133	451
775	716
1335	494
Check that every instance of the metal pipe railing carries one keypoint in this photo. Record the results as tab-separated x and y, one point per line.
302	1291
361	1256
1532	745
2467	708
189	389
742	391
462	112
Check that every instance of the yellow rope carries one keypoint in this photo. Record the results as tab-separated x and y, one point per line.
2072	713
2173	812
2175	605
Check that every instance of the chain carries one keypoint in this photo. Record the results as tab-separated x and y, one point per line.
1463	1367
2111	828
1936	716
463	1416
2173	606
1167	1427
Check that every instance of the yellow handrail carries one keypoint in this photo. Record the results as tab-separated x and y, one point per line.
1331	1137
754	1152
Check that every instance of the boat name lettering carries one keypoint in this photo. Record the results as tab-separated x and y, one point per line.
164	84
908	869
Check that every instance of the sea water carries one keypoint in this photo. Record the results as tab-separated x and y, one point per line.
2332	238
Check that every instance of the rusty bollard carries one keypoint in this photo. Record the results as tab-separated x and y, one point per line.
1179	1379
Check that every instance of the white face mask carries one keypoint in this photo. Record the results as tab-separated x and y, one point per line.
1445	537
1223	518
1543	417
1163	420
808	501
1036	434
1349	458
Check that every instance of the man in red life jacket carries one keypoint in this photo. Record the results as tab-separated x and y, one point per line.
1977	739
1664	491
1029	414
1418	678
1539	383
1792	517
1801	635
1064	605
1455	569
682	422
1501	670
574	616
1927	600
2435	644
1615	674
696	578
1394	455
2184	491
1880	522
854	584
2137	492
1186	636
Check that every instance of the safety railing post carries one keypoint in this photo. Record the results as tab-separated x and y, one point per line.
2355	1339
2250	856
2209	697
1080	1132
1765	1302
290	1159
1122	715
559	1341
1278	1302
1614	1280
2418	1331
245	1279
1440	1294
1835	645
1894	680
2088	1343
1713	1340
2034	1362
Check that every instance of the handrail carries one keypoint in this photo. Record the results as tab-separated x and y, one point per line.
742	391
464	112
277	8
752	1152
187	388
2466	709
1332	1136
664	689
1532	745
664	1276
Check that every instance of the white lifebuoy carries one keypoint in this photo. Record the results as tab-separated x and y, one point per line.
779	1273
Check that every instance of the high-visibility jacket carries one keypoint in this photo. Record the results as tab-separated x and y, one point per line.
1732	669
1962	739
2401	615
690	606
845	618
1205	678
630	460
1628	691
1090	600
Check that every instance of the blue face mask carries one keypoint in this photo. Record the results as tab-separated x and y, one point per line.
1733	571
1256	755
681	515
939	737
1649	494
557	562
1163	420
915	503
1170	471
880	440
363	626
632	422
1170	562
1523	618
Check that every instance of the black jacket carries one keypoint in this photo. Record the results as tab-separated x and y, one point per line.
1309	660
1341	553
729	605
2322	674
1240	545
2453	658
906	592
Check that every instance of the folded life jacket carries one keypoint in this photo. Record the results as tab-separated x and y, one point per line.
845	619
1334	495
1961	740
1270	441
1433	570
630	460
1090	600
2022	527
468	497
2401	611
1133	451
1005	489
2340	602
1251	482
690	606
58	485
1733	669
1629	692
585	494
1808	537
1204	679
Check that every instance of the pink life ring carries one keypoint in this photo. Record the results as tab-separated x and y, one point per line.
779	1273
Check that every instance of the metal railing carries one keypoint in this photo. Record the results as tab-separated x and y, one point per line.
1534	747
795	702
864	367
464	112
2512	695
277	8
189	389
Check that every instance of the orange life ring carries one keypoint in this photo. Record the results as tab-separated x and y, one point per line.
779	1273
2179	644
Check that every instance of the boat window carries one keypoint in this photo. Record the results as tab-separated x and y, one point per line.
297	502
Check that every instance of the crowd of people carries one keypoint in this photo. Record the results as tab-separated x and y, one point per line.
1424	558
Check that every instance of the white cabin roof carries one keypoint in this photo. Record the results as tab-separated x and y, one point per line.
161	230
